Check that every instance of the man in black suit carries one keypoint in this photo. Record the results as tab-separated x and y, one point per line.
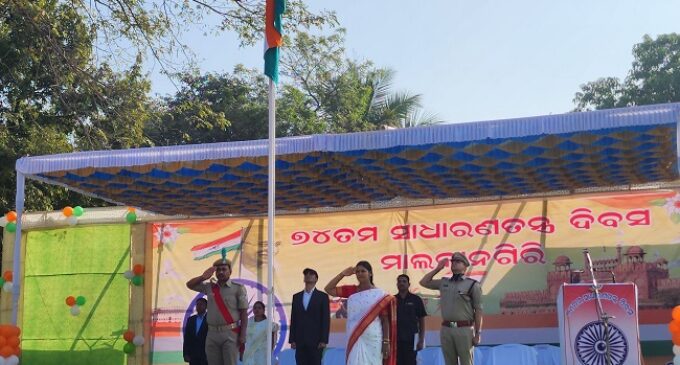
309	321
194	335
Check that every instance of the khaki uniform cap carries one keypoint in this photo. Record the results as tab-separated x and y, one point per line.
222	262
459	256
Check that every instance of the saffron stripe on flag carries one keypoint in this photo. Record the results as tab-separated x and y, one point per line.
273	29
230	242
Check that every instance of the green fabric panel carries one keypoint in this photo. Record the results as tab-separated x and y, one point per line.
93	249
100	352
87	261
48	317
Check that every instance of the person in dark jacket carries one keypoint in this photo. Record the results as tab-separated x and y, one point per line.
194	335
410	321
310	321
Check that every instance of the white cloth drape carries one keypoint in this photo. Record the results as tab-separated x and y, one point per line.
368	348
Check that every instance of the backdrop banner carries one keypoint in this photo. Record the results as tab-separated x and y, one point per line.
521	252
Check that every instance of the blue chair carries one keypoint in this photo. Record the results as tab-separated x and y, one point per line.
512	354
430	356
333	356
548	354
287	357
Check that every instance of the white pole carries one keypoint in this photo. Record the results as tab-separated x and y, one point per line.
16	264
270	217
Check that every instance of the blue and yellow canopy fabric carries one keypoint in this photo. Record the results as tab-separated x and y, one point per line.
502	158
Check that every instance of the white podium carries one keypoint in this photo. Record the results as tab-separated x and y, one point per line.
582	333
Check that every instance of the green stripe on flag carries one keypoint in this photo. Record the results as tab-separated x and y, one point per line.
280	9
271	64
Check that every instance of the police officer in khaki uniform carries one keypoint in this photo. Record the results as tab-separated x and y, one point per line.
222	343
461	306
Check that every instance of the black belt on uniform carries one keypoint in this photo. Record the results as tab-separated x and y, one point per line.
458	323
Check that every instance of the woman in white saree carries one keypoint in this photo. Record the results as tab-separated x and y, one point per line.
371	318
256	339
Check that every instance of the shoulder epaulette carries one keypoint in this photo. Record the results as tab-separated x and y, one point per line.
469	292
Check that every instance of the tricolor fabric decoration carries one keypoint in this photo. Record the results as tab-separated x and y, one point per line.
136	275
75	304
273	37
133	341
226	244
72	214
131	215
10	221
6	281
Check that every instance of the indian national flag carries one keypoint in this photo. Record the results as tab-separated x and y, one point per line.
231	242
272	37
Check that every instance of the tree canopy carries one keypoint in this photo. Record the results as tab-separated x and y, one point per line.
654	78
121	31
348	95
71	78
323	92
54	98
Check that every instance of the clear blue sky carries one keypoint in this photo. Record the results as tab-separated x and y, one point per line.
479	60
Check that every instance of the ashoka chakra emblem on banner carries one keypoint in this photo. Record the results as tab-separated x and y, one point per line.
591	348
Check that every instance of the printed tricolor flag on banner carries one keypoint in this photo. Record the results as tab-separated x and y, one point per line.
273	39
231	242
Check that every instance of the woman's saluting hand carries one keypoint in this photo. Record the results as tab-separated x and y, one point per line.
349	271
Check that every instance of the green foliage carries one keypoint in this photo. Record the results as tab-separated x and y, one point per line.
71	80
326	93
213	108
125	29
654	78
119	108
347	95
295	114
244	17
345	99
53	98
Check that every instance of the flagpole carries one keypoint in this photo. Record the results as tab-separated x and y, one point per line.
16	260
240	257
270	217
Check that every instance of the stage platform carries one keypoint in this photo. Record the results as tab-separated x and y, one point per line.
515	354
